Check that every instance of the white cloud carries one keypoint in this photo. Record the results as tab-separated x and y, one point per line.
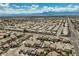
16	6
70	5
34	7
5	9
4	4
68	8
46	9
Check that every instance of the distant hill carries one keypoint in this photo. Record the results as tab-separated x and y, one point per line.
46	14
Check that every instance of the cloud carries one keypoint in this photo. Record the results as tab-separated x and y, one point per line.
21	6
33	7
70	5
68	8
6	9
16	6
22	9
47	9
4	4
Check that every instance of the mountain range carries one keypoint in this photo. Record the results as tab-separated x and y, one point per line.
46	14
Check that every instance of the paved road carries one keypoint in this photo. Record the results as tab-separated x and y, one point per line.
74	37
60	30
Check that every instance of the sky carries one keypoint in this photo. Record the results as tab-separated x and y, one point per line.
35	8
